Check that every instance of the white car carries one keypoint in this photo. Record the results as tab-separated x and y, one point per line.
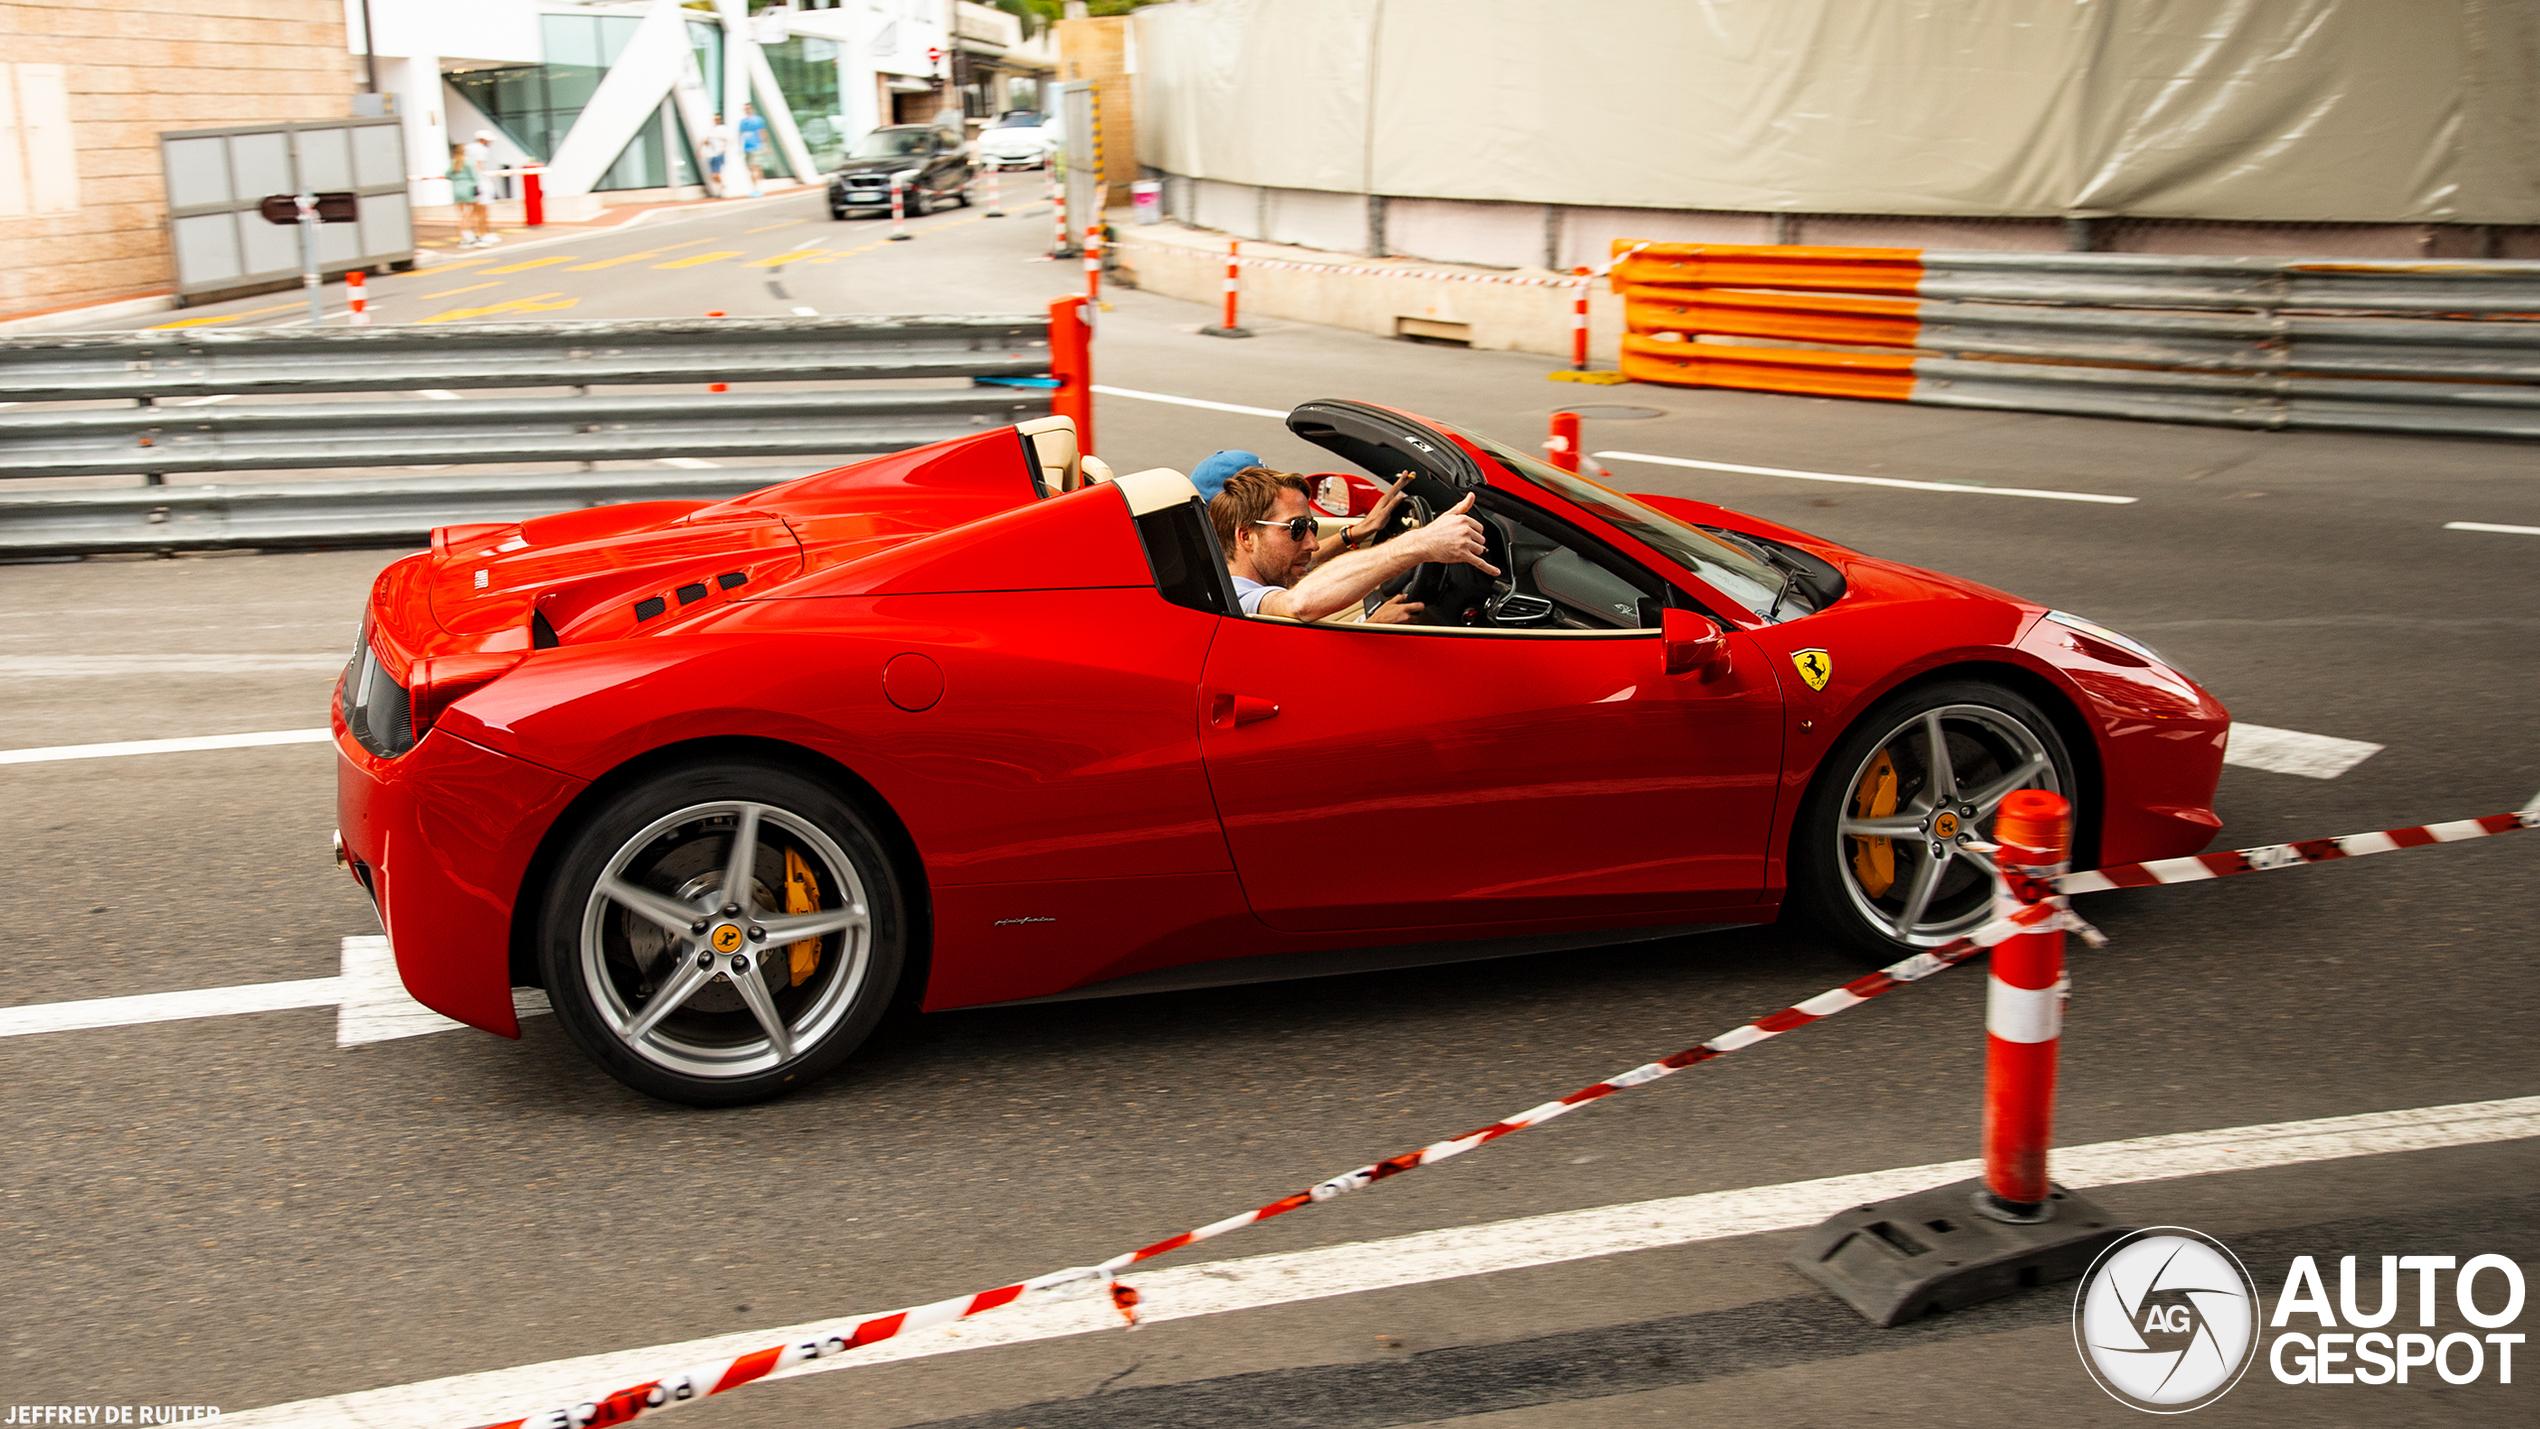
1020	139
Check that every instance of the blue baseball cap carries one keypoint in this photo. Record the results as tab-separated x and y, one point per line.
1210	475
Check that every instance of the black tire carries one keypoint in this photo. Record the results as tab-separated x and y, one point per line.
836	213
664	844
1843	883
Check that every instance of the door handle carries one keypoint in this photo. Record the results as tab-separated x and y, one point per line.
1228	711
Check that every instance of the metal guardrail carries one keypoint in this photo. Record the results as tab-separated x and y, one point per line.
2436	347
301	435
286	514
59	425
166	365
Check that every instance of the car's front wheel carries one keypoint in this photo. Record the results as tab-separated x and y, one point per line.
1882	855
721	933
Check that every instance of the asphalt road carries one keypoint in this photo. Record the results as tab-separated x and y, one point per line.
236	1212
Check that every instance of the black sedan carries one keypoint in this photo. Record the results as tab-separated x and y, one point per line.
932	165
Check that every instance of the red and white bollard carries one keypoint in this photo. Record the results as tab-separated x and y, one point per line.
1578	323
899	212
1058	216
357	298
996	202
1093	264
1234	263
533	197
1563	443
2024	1010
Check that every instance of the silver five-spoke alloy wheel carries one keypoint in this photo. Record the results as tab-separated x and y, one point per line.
1902	806
722	933
671	970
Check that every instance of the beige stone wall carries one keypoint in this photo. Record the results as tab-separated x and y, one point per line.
133	68
1096	49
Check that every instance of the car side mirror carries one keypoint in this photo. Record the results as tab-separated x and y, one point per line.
1337	493
1693	645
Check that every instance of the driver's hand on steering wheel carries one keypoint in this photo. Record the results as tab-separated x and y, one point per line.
1366	528
1454	538
1395	611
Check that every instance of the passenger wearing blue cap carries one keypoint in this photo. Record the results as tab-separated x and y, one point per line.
1210	475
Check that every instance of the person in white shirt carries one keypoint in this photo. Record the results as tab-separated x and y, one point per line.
717	144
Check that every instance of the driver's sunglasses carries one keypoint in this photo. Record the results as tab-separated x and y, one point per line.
1299	527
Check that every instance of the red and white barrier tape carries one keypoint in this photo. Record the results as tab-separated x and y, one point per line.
685	1386
1359	270
697	1382
2270	856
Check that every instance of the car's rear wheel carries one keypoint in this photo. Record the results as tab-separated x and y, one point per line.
684	989
1881	856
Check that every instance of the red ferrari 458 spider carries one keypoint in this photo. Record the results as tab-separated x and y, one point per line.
959	726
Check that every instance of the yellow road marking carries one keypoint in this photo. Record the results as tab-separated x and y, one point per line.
693	261
781	259
544	302
228	318
788	223
632	257
454	292
456	263
532	263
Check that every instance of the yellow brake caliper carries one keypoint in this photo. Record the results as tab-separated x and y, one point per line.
1874	859
802	895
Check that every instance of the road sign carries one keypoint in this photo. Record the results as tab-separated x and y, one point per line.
331	208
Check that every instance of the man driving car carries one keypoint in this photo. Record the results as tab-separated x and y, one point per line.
1267	531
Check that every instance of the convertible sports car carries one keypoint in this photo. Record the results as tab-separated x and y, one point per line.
957	726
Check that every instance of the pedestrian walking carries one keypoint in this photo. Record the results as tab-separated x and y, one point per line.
481	149
467	190
754	147
716	143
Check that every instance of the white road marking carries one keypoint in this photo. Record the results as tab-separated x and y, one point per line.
436	394
1895	481
1220	1287
204	401
71	667
691	462
167	1006
1189	402
2491	526
371	1004
165	746
2290	751
806	312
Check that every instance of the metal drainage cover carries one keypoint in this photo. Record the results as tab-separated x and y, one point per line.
1616	414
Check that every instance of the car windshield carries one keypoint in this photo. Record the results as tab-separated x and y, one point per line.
1019	119
1726	568
890	144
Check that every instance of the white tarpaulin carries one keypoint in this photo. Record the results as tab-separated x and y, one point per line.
2385	111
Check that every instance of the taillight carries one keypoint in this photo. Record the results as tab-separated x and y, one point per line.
436	684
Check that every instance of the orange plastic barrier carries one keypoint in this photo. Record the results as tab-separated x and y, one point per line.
1886	376
1861	297
1792	317
1726	265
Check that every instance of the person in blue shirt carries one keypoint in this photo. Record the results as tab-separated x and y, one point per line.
1210	477
754	147
1266	531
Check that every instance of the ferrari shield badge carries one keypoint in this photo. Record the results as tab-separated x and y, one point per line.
1815	666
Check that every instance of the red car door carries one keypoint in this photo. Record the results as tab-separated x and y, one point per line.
1374	777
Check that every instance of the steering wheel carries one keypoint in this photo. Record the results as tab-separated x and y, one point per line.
1454	593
